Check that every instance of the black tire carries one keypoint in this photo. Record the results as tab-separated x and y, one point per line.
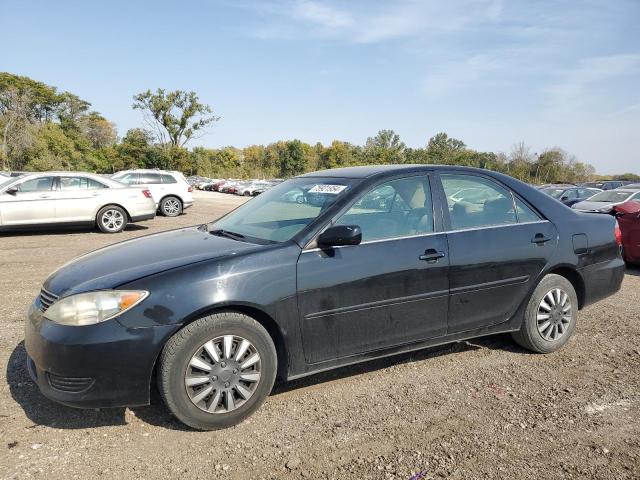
529	336
176	357
111	219
170	206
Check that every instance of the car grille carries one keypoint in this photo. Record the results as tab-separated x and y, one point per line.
69	384
46	299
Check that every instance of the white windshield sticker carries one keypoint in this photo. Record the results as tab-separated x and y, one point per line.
332	189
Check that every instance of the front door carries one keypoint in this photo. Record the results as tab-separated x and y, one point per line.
390	290
32	204
498	246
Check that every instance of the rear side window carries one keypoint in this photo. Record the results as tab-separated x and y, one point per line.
79	183
477	202
36	185
525	213
168	179
149	178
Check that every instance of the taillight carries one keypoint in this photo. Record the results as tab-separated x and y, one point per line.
618	234
190	189
146	193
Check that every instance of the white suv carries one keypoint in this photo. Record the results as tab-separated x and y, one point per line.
169	189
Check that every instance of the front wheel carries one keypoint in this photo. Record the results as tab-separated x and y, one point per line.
111	219
551	316
171	206
217	371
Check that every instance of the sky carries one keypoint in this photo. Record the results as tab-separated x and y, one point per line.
489	72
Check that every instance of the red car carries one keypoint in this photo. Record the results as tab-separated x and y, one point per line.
628	215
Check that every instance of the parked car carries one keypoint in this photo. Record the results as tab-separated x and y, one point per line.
70	198
277	288
4	175
604	202
570	196
250	188
632	186
628	215
607	184
169	189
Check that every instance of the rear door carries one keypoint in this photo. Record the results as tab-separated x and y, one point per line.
498	246
390	290
154	183
78	198
33	203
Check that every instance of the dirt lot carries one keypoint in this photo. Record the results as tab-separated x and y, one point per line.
481	409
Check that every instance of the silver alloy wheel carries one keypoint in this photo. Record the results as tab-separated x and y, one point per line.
171	207
223	374
554	314
112	220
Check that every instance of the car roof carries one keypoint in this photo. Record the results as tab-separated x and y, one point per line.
374	170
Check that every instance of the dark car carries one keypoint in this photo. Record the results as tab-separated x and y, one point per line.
283	289
607	184
570	196
628	215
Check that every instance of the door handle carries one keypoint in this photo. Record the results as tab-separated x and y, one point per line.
540	239
431	255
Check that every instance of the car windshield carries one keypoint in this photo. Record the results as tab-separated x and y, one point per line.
554	192
611	196
284	210
6	181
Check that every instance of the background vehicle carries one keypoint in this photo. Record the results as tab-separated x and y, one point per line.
632	186
572	195
277	288
628	215
607	184
68	197
169	189
603	202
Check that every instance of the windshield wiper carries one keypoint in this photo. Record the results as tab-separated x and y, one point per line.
228	234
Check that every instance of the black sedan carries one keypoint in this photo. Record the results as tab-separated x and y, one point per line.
283	289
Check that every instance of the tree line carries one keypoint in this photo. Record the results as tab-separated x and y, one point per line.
44	129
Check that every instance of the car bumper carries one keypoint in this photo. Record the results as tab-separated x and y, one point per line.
102	365
143	217
602	279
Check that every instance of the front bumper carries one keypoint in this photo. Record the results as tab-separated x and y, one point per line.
102	365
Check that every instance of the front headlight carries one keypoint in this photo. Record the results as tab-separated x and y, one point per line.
93	307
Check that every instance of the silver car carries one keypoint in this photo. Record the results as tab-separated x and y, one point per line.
69	198
604	202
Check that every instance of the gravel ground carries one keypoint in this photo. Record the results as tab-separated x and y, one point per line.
479	409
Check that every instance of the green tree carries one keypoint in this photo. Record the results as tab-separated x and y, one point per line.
386	147
176	116
292	159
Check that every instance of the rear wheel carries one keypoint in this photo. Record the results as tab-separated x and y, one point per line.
111	219
550	317
171	206
217	371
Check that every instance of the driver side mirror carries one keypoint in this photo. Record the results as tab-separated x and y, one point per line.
12	190
340	235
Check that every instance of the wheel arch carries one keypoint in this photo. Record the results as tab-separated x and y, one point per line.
574	277
259	315
112	204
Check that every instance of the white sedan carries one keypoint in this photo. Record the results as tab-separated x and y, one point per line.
72	198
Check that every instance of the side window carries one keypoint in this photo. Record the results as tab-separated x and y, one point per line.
477	202
525	213
149	178
40	184
128	179
394	209
79	183
168	179
571	194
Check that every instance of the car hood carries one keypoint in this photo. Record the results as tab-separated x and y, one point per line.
593	206
130	260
